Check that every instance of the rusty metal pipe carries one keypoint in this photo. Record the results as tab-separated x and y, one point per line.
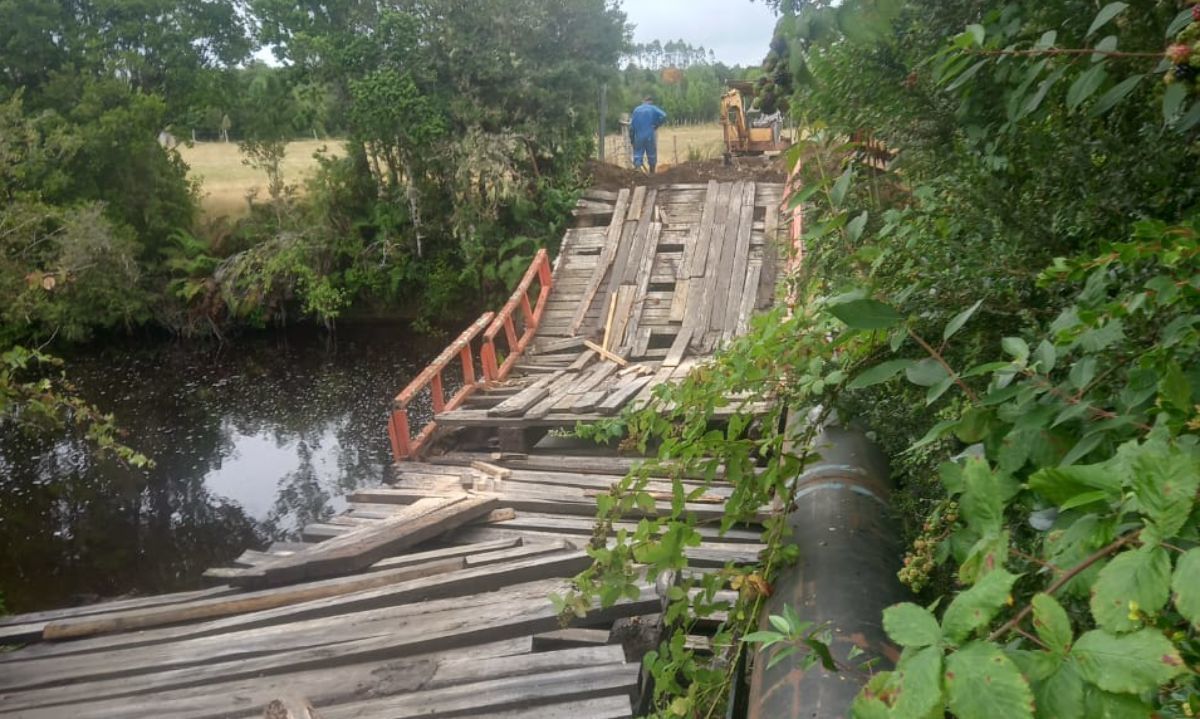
846	576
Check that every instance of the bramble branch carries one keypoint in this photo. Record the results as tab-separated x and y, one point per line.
1056	51
1015	622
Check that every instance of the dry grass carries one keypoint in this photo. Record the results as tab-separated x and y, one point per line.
225	181
676	145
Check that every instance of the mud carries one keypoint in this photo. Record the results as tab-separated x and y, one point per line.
758	169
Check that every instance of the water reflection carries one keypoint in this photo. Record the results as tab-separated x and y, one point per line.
251	441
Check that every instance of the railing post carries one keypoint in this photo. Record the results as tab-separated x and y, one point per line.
487	356
398	432
468	365
438	392
510	333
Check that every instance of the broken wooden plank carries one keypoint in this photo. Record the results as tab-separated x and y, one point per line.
363	547
491	469
618	397
519	403
679	300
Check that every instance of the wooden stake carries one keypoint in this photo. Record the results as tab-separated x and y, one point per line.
612	308
606	354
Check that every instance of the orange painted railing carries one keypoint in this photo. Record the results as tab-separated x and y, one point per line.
403	444
531	315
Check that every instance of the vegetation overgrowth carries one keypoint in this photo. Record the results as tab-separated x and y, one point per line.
1013	310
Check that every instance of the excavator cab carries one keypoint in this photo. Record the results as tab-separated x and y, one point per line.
747	131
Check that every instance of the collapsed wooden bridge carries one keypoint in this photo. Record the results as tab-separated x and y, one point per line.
430	596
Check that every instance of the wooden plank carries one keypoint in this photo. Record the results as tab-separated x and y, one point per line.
584	359
624	305
679	300
244	603
699	308
736	276
526	398
628	257
678	348
610	707
526	550
729	248
749	298
432	555
589	401
441	626
696	253
484	698
570	638
641	282
618	397
116	605
363	547
612	243
491	469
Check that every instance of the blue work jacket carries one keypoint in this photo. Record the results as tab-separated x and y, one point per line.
645	120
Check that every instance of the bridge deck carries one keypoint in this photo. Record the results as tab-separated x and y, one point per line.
675	272
430	596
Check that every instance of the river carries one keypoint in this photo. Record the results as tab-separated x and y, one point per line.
252	440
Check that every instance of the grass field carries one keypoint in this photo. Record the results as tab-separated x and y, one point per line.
225	181
676	145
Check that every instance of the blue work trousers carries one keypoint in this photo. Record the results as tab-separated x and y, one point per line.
647	146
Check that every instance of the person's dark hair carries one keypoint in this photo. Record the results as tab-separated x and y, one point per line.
647	99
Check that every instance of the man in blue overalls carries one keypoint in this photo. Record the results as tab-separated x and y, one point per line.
642	125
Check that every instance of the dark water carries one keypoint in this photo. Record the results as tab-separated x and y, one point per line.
251	441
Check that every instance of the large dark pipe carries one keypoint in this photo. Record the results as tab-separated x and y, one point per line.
845	578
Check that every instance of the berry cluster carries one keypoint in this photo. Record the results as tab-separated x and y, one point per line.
919	561
1184	54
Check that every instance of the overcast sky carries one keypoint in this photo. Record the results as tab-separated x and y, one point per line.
738	31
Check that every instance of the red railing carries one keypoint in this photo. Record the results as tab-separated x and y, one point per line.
531	315
403	444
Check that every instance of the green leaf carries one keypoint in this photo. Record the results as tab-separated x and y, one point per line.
854	228
1082	500
1190	119
879	373
1061	694
1186	586
977	33
985	556
1108	12
966	76
1045	356
1115	94
838	194
1182	20
1099	704
910	625
1082	449
935	433
1165	480
1107	44
1061	485
1138	579
919	677
1130	664
866	314
1086	85
1175	388
938	390
765	638
986	492
1052	624
926	373
982	683
960	319
1017	347
1172	101
975	607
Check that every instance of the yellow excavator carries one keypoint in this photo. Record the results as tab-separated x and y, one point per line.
747	131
